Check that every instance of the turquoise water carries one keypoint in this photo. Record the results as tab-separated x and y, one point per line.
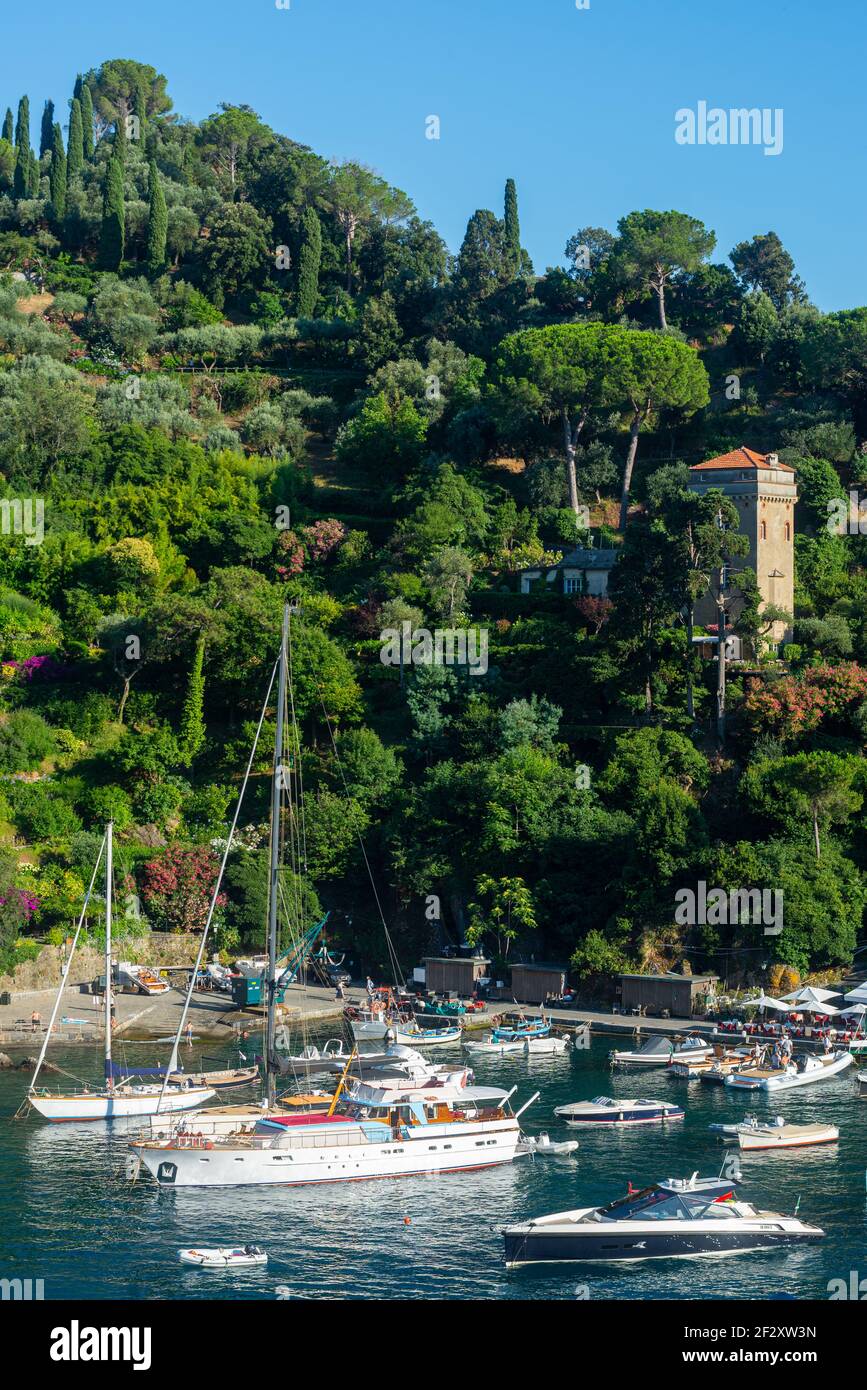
68	1216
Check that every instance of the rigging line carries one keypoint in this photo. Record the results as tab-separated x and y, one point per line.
68	966
173	1060
395	964
298	818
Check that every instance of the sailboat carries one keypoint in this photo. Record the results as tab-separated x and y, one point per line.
120	1096
380	1131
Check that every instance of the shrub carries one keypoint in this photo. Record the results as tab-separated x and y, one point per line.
25	740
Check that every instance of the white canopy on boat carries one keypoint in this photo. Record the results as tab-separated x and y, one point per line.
809	994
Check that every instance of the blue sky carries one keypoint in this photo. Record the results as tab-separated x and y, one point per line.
576	105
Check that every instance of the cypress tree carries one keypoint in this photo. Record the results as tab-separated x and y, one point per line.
86	121
8	126
22	170
157	223
308	265
58	175
33	175
112	235
22	125
511	228
75	151
119	144
76	91
46	133
192	733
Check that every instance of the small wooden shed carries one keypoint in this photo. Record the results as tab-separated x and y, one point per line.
455	974
533	984
680	996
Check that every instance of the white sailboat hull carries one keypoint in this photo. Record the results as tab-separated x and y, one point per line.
101	1105
447	1148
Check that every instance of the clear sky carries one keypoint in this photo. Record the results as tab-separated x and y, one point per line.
577	105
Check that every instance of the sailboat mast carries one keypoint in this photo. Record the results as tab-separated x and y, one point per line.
274	886
109	834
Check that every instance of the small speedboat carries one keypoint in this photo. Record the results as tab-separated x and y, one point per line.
605	1110
754	1135
224	1258
671	1219
544	1144
805	1072
660	1051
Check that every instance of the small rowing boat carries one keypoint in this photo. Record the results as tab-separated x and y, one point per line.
754	1135
224	1258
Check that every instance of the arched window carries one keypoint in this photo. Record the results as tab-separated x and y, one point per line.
763	531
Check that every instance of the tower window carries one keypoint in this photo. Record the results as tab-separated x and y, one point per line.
788	532
763	531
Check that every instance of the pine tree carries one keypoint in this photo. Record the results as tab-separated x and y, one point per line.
112	235
308	265
22	170
22	125
157	223
192	733
75	150
46	132
87	121
58	175
511	228
8	126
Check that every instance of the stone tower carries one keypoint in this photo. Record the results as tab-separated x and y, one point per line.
764	492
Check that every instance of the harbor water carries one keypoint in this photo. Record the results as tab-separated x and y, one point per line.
69	1216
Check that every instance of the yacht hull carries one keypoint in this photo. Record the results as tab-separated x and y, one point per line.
525	1246
120	1104
444	1149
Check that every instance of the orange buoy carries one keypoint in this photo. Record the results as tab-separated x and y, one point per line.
406	1221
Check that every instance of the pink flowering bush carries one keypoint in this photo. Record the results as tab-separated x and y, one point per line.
796	705
177	888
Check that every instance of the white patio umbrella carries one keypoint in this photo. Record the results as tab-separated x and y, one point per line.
859	1009
764	1001
859	995
820	1008
809	994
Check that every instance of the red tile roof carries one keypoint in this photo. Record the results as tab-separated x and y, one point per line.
741	458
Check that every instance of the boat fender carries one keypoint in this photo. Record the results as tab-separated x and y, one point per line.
209	1144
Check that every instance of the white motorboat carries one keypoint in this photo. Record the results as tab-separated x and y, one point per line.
754	1135
805	1072
659	1051
605	1110
545	1047
229	1257
671	1219
123	1095
545	1145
